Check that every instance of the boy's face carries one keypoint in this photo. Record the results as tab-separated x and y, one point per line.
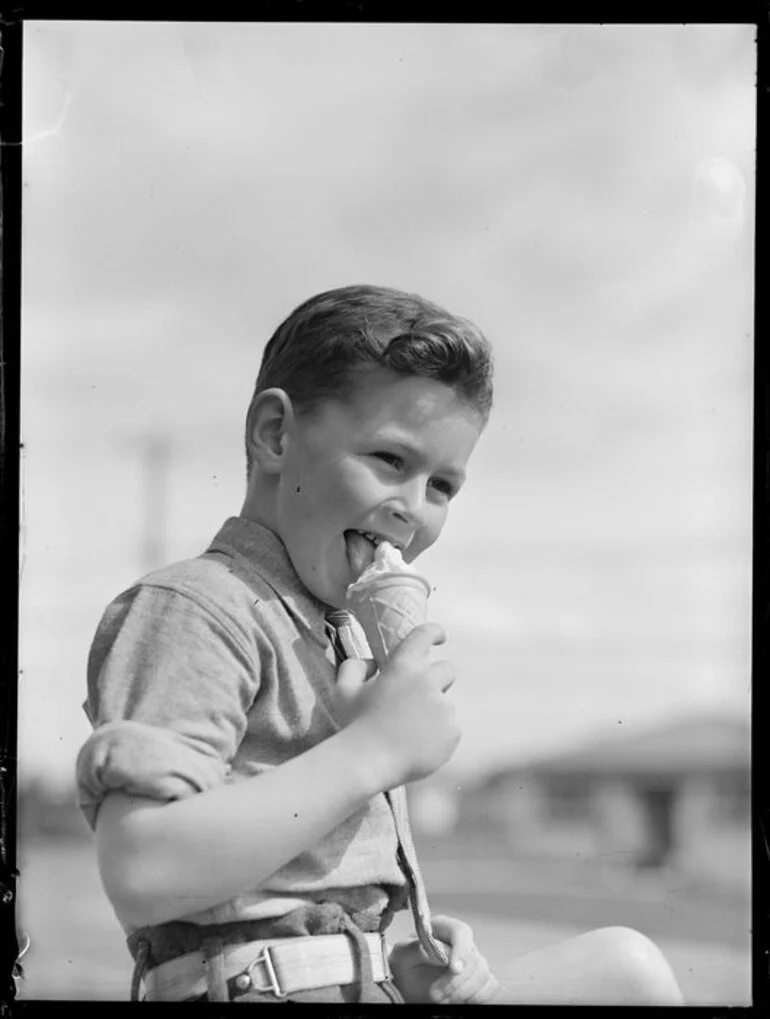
388	463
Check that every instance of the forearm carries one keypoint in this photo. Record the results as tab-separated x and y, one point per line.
162	861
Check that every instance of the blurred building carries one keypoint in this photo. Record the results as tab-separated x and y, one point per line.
674	797
49	812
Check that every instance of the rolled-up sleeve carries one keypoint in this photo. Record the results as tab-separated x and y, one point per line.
170	681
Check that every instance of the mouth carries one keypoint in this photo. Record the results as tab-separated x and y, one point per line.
360	547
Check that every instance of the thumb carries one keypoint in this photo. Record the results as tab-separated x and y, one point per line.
458	937
420	640
429	959
352	674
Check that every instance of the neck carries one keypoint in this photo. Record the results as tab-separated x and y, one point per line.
259	504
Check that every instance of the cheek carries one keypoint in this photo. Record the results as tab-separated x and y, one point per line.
308	481
435	524
355	483
430	532
322	496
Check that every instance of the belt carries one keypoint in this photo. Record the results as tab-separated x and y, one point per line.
280	966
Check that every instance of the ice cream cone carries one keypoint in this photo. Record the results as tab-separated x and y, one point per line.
389	606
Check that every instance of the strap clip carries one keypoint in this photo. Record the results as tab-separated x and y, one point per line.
246	979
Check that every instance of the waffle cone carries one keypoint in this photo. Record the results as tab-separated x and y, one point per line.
388	608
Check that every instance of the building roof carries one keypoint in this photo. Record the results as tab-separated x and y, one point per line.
688	745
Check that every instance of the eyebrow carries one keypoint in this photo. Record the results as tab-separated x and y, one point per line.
456	474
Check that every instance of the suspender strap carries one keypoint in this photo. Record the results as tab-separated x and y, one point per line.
140	967
216	980
418	898
347	645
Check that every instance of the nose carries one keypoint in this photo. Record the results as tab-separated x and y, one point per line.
408	506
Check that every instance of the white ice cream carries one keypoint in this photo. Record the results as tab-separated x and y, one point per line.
387	559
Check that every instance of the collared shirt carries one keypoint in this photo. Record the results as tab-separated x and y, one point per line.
214	670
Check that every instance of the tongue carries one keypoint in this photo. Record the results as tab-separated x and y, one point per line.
360	552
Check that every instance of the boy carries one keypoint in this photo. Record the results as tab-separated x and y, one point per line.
238	777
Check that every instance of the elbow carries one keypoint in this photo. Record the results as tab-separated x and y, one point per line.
131	884
146	892
132	896
136	878
142	892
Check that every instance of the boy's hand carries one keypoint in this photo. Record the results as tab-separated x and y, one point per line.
467	978
406	722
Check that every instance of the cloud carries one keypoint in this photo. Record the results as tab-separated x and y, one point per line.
547	181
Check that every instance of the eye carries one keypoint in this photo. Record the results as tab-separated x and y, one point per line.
389	458
445	488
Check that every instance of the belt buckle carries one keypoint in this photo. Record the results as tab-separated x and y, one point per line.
245	980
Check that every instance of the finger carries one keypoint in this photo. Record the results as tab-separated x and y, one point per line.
481	991
443	675
488	993
460	986
352	674
430	959
371	667
420	640
463	956
459	936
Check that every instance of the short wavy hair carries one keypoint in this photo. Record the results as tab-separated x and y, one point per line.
326	345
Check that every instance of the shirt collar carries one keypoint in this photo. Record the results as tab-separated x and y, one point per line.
262	553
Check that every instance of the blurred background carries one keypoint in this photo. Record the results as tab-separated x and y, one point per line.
586	195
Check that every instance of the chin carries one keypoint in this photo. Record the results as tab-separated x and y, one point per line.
336	596
327	593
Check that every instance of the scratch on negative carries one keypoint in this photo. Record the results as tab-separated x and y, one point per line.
764	837
56	129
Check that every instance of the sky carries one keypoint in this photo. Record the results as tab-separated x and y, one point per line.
585	194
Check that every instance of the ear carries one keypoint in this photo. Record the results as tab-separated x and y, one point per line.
270	421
